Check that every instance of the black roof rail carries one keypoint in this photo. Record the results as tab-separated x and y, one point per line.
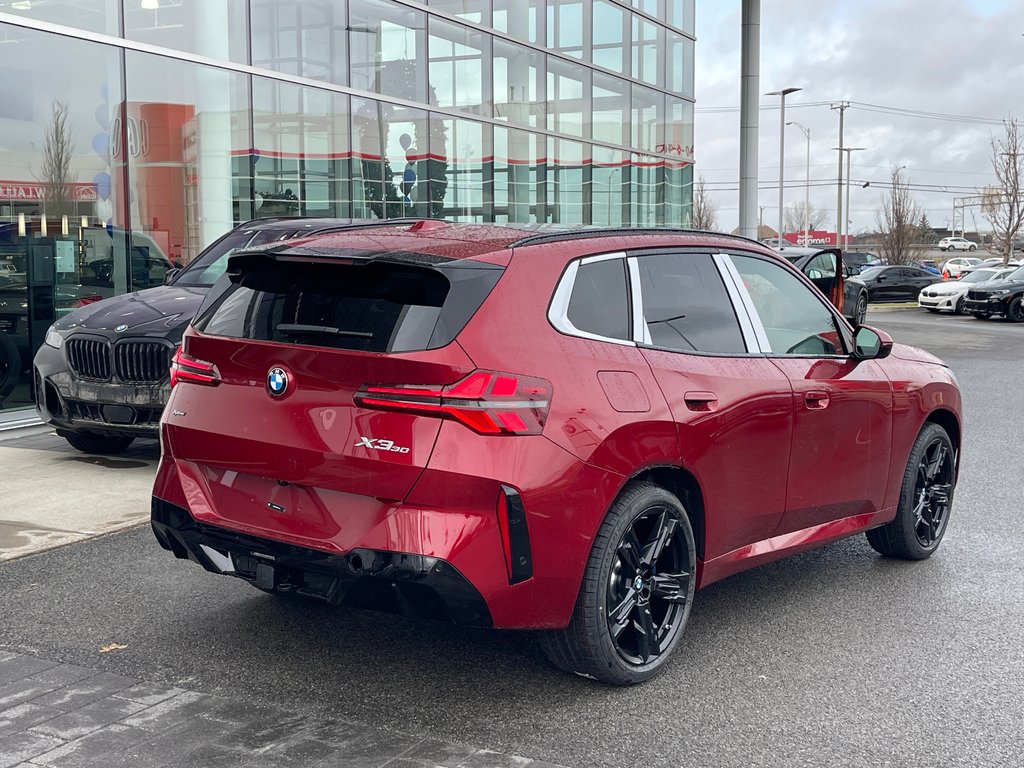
584	233
351	224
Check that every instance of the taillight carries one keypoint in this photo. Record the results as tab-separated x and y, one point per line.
485	401
187	368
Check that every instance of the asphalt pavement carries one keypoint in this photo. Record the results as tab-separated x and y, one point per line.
833	657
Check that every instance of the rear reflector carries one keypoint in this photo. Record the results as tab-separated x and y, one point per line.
487	402
515	536
191	369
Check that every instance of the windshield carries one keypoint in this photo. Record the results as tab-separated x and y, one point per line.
979	276
1017	274
210	265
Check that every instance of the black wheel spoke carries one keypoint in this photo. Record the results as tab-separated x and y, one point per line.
670	586
621	615
646	633
630	552
660	536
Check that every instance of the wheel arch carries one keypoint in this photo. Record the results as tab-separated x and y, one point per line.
685	487
949	422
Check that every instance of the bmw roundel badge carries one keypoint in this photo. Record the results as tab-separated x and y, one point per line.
121	328
277	382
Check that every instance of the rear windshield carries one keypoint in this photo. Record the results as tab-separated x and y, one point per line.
376	306
213	262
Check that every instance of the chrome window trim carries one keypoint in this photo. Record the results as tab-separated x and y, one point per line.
558	309
641	331
754	336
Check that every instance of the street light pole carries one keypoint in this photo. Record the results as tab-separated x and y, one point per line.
782	149
845	227
807	183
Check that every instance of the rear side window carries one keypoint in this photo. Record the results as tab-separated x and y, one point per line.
600	301
371	307
686	305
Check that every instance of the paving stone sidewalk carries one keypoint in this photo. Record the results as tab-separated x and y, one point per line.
56	715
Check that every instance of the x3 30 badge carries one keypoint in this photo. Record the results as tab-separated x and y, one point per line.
376	444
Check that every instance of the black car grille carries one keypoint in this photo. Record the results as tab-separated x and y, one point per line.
139	416
977	295
89	358
141	362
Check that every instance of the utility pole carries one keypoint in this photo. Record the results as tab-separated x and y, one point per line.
841	108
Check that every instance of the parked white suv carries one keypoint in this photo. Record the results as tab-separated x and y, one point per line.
957	244
953	268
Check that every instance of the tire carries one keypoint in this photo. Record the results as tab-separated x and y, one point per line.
981	315
93	442
641	569
926	499
1015	311
958	308
861	312
973	248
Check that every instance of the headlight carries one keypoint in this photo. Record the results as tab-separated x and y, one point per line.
1001	292
53	339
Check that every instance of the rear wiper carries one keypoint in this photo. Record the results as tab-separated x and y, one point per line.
301	329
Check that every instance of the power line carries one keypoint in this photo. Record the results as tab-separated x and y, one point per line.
869	107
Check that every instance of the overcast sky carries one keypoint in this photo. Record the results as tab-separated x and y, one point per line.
959	58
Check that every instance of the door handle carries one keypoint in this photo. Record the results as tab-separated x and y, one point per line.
816	400
701	401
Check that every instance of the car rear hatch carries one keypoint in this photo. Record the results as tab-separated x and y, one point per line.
264	419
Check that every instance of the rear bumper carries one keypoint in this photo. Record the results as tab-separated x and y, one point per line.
412	585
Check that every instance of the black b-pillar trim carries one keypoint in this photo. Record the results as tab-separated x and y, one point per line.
518	536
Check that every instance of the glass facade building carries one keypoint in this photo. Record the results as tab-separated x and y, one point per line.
133	133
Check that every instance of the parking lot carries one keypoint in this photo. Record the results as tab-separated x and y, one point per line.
831	657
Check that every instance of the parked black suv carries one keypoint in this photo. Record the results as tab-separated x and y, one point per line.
101	377
1002	297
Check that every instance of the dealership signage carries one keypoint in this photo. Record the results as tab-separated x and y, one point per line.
32	191
814	237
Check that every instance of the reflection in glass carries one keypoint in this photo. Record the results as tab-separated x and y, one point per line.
610	41
648	44
679	65
62	236
566	26
301	160
521	19
518	84
610	110
300	37
213	28
648	119
519	176
91	15
388	44
459	67
568	89
568	190
476	11
468	145
188	152
610	178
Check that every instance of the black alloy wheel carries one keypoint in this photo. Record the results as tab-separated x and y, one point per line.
925	500
1015	311
648	587
636	594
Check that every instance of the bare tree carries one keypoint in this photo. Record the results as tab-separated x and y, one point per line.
58	149
705	210
899	220
795	217
1004	206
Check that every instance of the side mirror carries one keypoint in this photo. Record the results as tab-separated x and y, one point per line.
170	275
871	343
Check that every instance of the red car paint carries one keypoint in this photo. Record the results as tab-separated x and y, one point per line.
785	453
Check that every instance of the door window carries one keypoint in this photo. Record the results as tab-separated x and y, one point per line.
686	306
796	320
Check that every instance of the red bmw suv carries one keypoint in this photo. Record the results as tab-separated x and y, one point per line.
561	431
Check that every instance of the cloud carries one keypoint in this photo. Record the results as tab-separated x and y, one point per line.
950	57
